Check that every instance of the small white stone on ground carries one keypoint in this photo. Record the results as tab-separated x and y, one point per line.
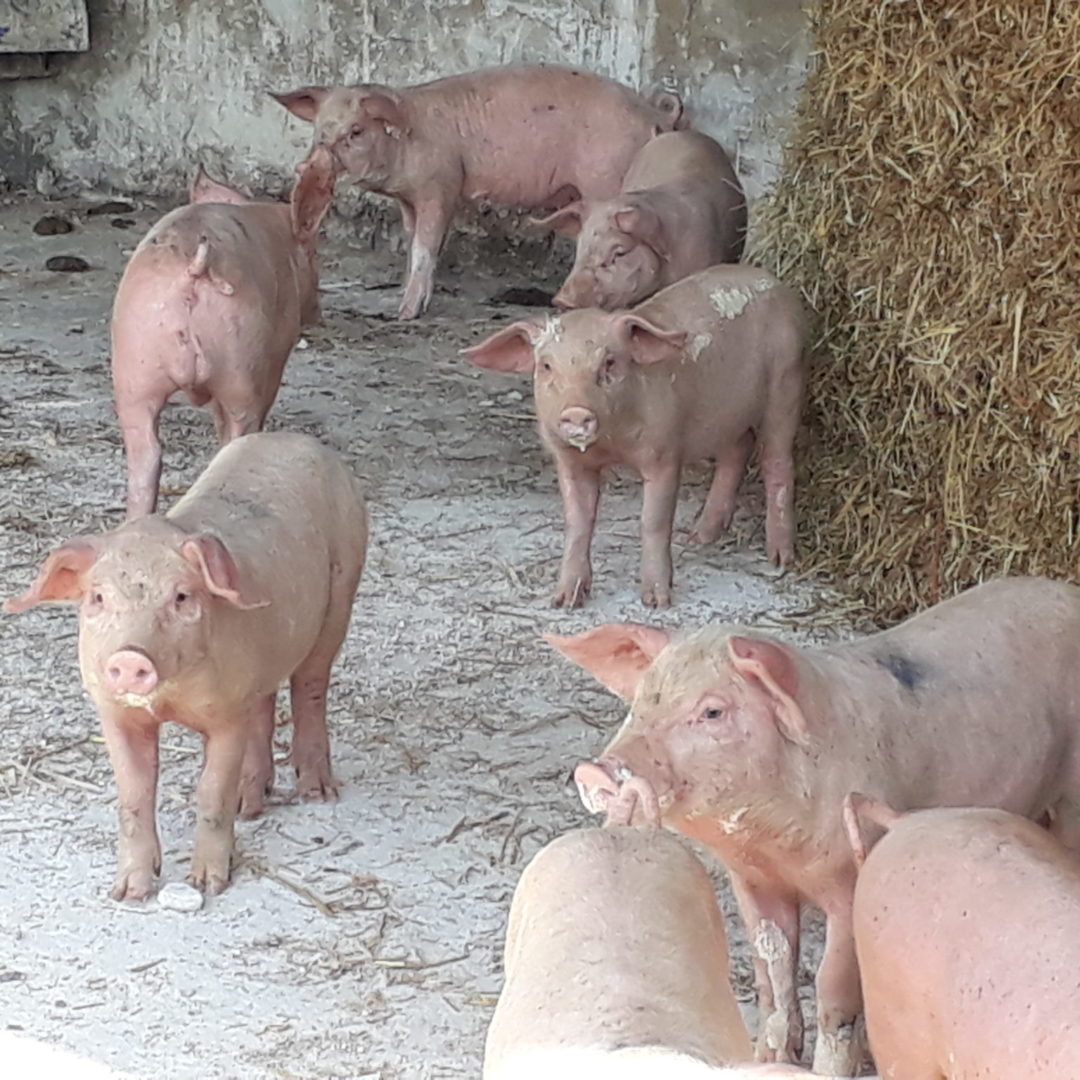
179	896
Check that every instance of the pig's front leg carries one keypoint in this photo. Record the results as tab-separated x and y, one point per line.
432	219
257	772
772	927
841	1043
217	799
580	489
778	472
659	498
131	737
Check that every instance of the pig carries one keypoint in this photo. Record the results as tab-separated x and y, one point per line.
211	303
706	368
967	929
681	210
530	136
751	744
197	616
616	966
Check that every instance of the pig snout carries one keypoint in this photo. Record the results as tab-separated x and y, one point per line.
636	794
130	671
596	786
577	426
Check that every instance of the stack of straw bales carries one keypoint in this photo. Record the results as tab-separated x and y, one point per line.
930	211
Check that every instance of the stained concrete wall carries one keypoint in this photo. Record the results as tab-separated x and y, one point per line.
170	82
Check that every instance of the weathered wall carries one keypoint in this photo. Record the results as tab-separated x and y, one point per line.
169	82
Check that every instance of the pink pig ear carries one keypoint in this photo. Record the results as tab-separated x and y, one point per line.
566	220
772	666
304	102
204	188
511	349
60	578
648	343
312	193
392	113
616	654
641	223
219	570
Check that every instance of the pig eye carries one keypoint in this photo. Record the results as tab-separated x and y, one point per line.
357	130
544	365
712	714
96	599
181	596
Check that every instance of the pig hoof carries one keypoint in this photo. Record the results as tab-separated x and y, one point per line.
320	787
138	885
656	596
253	798
209	882
571	596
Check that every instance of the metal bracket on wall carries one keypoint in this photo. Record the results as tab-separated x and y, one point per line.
32	30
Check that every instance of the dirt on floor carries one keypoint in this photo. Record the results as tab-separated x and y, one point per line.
363	938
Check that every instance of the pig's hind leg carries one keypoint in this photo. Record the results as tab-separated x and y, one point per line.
719	509
139	419
841	1041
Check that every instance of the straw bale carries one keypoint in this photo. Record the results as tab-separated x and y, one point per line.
929	209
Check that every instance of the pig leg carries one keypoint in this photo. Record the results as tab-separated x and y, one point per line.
580	488
778	472
139	429
132	742
217	800
772	926
660	495
841	1041
432	220
257	773
719	508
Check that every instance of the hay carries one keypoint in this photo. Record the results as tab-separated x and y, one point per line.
930	211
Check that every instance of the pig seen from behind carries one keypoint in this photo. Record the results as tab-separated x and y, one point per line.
616	966
681	210
197	616
529	136
751	745
706	368
211	303
967	929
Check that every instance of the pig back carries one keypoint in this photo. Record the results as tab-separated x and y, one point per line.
967	927
615	941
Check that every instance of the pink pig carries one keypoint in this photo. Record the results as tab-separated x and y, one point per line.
197	617
751	746
521	136
681	210
211	303
967	929
706	368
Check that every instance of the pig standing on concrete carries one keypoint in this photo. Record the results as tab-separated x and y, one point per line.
616	967
197	617
523	136
704	369
211	303
751	746
967	928
681	210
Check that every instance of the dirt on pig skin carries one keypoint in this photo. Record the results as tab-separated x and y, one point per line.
360	939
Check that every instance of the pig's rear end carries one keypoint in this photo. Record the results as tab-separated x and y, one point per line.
615	947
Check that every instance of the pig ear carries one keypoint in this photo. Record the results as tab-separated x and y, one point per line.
219	570
647	342
616	654
772	666
863	815
60	578
566	221
312	192
304	102
669	103
642	223
392	113
204	188
511	349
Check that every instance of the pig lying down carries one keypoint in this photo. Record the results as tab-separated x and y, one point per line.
197	616
211	304
967	927
525	136
751	745
616	967
707	368
681	210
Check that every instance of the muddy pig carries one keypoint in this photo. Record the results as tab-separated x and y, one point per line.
197	616
704	369
681	210
522	136
211	303
967	928
751	745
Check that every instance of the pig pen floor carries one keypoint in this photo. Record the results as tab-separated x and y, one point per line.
363	938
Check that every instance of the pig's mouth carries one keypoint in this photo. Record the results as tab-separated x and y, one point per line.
618	794
580	442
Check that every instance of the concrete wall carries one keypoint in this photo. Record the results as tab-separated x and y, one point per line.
169	82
